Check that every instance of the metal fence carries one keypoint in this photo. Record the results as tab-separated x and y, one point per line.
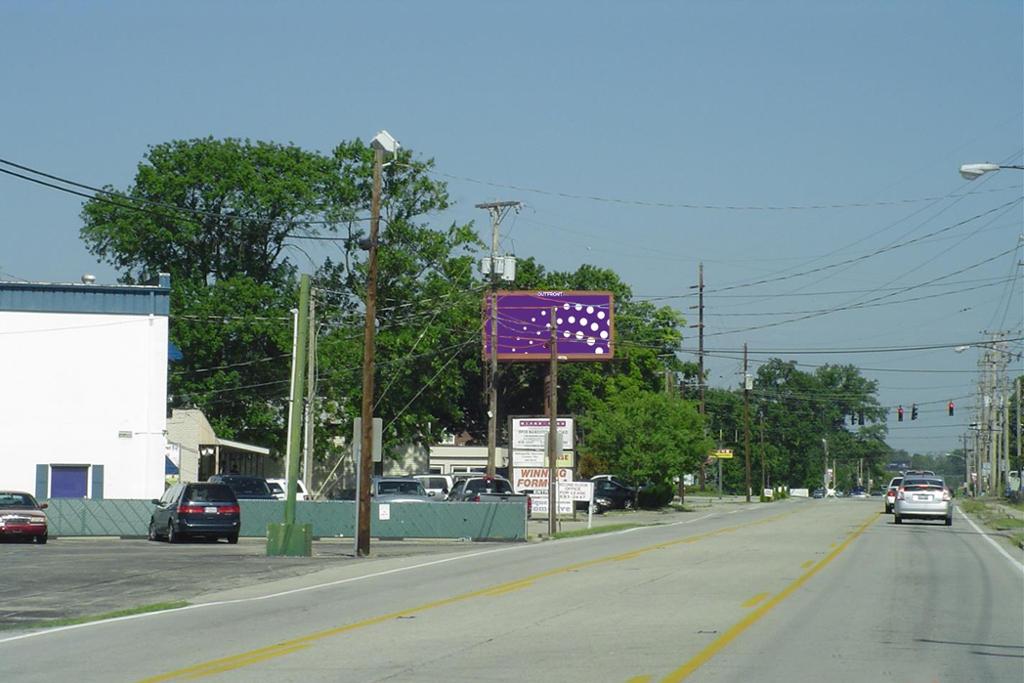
332	518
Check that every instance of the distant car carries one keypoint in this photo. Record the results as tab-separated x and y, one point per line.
196	510
818	493
918	473
244	486
22	518
437	485
858	492
398	490
890	493
923	497
279	489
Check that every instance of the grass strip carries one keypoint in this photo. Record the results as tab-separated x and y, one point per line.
71	621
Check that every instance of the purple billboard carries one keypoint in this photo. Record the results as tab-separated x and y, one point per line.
583	322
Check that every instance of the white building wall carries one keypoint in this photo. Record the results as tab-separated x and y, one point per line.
75	385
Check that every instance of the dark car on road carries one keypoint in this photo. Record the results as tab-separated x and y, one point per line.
196	510
21	517
245	486
611	494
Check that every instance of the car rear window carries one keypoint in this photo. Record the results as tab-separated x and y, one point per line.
489	486
245	486
402	487
16	500
208	493
923	483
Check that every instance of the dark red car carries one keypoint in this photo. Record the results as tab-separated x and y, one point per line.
21	517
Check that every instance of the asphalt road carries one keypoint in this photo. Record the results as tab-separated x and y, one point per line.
793	591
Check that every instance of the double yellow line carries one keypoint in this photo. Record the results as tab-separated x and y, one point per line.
244	659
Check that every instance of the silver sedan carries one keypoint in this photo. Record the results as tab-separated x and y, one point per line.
923	497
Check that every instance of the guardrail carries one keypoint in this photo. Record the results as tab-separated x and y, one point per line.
330	518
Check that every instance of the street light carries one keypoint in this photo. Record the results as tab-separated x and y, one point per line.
975	171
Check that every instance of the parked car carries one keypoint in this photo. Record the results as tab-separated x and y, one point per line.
398	490
923	497
818	493
196	510
612	494
437	485
279	489
890	493
858	492
244	486
484	489
22	518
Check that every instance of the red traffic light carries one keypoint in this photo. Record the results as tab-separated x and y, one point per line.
951	407
899	413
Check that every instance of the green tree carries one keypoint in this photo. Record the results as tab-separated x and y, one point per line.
644	435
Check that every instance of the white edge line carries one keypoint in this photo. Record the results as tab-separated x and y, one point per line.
351	579
995	544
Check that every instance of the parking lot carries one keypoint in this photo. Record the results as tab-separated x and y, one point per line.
72	577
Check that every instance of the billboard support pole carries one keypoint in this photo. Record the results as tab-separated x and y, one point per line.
553	423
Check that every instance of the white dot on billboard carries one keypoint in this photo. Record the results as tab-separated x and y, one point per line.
600	315
590	309
583	321
572	319
599	350
524	327
579	307
565	306
533	320
579	334
590	341
560	321
565	334
513	349
543	312
604	334
593	327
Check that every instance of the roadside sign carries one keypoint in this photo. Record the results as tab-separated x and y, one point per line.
357	437
576	490
722	453
534	478
539	504
531	433
540	459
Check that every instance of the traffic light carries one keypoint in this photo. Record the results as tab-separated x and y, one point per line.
951	407
899	414
913	412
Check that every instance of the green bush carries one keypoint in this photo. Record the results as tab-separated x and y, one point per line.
655	496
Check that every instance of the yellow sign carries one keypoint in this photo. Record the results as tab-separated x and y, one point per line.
722	453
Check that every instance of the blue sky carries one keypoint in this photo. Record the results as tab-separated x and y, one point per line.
717	104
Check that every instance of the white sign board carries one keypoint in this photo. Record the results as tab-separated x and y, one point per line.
384	511
534	478
531	433
540	459
576	490
539	504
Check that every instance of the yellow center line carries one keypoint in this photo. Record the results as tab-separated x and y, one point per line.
756	599
243	659
807	564
742	625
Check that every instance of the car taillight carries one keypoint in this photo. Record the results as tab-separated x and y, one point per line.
899	493
946	495
475	499
190	509
229	510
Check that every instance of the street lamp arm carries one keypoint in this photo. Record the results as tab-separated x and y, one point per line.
975	171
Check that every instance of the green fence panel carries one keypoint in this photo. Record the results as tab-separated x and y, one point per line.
331	518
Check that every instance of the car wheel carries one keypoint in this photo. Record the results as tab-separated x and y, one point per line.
152	535
897	519
233	538
628	504
172	536
41	540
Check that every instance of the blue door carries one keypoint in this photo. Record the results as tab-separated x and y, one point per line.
69	481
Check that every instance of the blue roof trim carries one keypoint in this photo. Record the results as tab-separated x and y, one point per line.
67	297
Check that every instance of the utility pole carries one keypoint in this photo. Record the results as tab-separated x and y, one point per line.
700	348
369	346
553	443
746	417
310	397
764	483
497	210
